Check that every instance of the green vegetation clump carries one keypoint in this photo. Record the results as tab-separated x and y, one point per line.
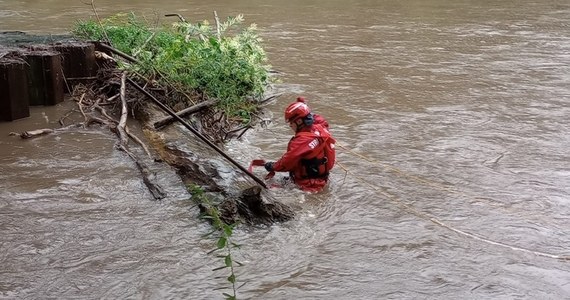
225	61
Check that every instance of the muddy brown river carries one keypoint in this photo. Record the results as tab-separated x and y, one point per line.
453	181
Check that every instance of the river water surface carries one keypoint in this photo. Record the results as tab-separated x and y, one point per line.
453	179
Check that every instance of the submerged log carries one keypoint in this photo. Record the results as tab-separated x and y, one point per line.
13	90
188	170
252	208
45	77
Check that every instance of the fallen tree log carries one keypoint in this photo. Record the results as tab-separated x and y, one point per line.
187	111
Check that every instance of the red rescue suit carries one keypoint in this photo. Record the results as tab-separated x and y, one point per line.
309	158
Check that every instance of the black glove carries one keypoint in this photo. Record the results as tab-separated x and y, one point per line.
269	166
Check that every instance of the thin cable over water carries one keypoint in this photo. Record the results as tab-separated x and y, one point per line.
429	217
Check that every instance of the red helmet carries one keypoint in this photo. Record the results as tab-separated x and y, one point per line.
296	110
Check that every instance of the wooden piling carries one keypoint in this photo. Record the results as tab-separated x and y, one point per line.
45	77
41	74
13	90
79	64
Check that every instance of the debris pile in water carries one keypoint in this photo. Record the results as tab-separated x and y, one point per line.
105	100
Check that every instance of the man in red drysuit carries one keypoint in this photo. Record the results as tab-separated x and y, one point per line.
310	153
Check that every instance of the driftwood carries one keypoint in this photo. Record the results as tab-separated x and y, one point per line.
123	120
190	110
155	189
45	131
89	120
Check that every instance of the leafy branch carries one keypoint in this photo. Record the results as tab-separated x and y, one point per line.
223	232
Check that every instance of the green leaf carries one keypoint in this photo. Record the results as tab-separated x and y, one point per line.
229	297
214	42
227	230
222	242
232	278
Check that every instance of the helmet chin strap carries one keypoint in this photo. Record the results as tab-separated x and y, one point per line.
299	123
